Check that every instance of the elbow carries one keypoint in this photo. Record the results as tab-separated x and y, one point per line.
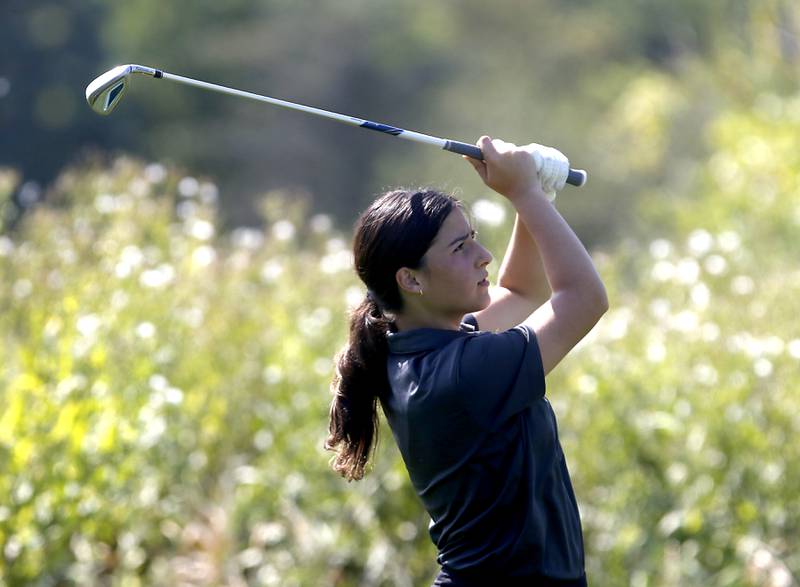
593	303
592	300
597	302
602	299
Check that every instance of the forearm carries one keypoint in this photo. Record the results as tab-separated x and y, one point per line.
564	260
522	271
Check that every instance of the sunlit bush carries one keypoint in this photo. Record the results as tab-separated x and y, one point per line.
681	411
163	388
164	394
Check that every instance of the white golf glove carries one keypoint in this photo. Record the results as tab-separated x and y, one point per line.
552	167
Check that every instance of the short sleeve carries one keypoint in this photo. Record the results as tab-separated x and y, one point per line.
500	374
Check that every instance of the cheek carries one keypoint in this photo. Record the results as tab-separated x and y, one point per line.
457	272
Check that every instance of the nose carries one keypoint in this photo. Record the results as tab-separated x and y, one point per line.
484	256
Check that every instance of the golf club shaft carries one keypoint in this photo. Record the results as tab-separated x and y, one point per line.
575	177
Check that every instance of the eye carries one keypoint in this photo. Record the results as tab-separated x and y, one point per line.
472	235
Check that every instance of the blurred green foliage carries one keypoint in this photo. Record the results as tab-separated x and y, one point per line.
557	72
163	377
164	385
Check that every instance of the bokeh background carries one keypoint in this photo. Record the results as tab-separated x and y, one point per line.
175	279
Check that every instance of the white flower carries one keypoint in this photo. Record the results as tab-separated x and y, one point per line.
709	332
247	238
145	330
250	557
677	473
6	246
272	374
155	173
173	395
158	382
139	187
700	242
660	248
656	351
154	428
268	533
130	258
663	271
617	323
192	317
762	367
489	212
715	264
336	262
321	223
660	308
271	271
354	295
159	277
186	210
587	384
132	255
66	386
22	288
729	241
246	475
105	203
203	256
742	285
188	187
705	374
88	324
685	321
263	439
283	230
200	229
773	345
209	193
687	271
701	295
334	245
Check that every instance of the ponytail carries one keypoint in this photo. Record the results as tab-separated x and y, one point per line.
360	379
394	232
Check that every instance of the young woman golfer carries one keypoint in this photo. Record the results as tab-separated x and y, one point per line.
459	369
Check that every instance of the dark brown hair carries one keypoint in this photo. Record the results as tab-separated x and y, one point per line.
394	232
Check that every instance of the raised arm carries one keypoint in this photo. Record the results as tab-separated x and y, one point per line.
578	297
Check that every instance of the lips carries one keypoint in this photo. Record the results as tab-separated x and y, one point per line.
484	282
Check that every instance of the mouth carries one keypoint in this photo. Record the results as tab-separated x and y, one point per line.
484	282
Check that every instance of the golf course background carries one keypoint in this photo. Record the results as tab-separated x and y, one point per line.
164	370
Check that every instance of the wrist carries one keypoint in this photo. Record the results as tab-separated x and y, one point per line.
525	194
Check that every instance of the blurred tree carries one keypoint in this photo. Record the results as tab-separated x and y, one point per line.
563	73
49	51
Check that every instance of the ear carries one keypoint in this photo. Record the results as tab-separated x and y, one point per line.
407	281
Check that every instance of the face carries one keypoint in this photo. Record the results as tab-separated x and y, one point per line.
453	276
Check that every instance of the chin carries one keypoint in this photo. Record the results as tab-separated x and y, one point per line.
484	302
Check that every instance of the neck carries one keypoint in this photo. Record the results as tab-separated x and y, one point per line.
412	321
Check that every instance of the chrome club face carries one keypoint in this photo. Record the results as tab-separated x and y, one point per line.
105	92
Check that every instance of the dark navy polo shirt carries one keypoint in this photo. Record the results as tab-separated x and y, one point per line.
480	442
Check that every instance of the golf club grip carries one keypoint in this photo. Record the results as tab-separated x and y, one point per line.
576	177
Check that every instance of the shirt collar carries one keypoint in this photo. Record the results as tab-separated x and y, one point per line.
425	339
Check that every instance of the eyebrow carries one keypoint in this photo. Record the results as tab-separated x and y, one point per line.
460	238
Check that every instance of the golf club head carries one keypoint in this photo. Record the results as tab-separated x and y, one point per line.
106	90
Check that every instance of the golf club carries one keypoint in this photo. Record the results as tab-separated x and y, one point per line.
106	91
